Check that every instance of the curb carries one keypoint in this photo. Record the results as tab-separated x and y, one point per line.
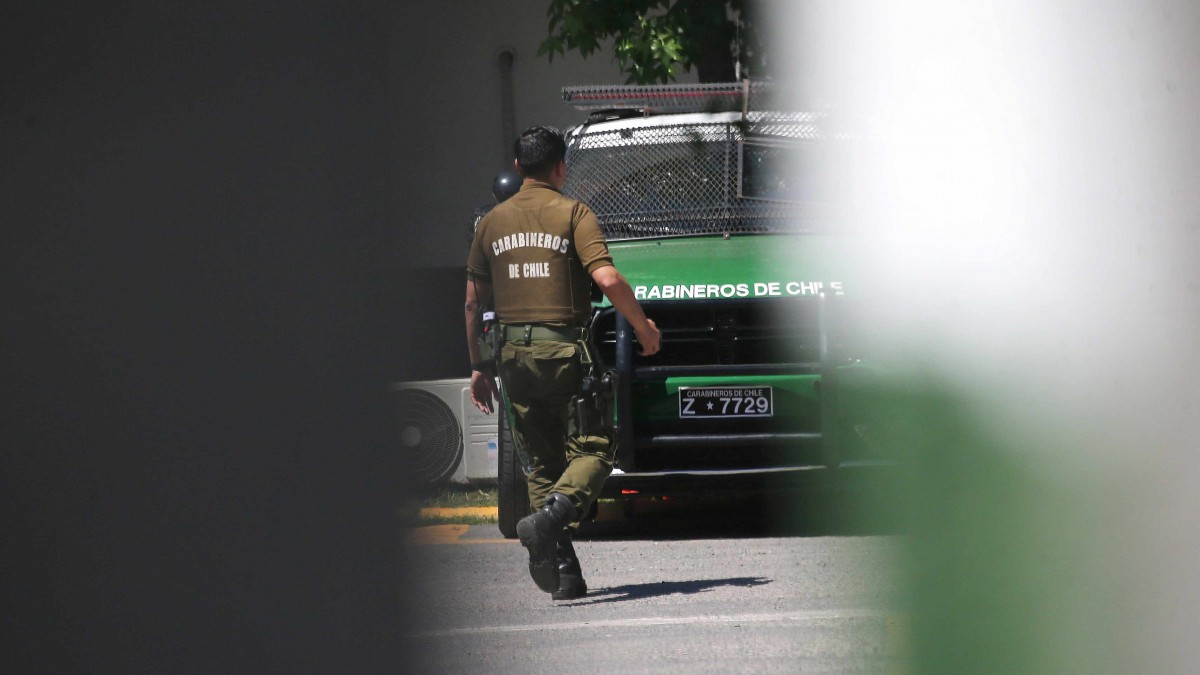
461	511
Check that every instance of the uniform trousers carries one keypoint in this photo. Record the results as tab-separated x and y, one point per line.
540	379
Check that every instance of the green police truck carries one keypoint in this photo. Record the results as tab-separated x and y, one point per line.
715	208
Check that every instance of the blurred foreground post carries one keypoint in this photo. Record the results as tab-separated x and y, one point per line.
1029	227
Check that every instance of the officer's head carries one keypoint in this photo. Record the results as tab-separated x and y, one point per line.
539	152
505	185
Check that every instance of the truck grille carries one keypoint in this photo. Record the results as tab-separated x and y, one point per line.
749	332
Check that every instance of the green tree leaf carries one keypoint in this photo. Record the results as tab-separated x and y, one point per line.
654	39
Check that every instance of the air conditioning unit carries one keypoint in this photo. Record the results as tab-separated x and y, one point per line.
442	435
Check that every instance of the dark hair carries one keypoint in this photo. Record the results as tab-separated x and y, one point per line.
539	150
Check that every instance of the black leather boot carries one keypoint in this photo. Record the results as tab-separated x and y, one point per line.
539	534
570	577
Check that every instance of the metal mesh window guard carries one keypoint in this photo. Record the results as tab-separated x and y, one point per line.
650	177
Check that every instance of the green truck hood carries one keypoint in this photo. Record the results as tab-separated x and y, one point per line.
742	266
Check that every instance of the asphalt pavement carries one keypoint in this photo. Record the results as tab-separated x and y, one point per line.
750	586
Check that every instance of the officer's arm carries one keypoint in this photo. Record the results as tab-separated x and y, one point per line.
617	290
483	383
478	293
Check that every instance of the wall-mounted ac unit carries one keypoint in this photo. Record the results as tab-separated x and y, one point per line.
442	435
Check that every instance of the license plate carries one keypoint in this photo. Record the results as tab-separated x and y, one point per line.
696	402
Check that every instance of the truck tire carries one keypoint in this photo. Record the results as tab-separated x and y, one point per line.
512	490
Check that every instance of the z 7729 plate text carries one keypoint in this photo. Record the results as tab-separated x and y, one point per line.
697	402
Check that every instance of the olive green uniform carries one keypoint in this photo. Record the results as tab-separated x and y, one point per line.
537	250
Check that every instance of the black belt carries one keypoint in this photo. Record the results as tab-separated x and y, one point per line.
527	332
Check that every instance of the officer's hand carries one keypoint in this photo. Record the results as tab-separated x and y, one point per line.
649	338
484	391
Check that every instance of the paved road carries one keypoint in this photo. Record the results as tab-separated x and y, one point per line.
708	593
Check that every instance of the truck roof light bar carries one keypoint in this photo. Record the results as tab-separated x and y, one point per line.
729	96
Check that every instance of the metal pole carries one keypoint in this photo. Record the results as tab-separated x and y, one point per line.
508	123
624	423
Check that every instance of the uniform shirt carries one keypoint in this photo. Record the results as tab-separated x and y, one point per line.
538	249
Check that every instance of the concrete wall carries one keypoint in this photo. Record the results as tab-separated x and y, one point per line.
212	215
448	121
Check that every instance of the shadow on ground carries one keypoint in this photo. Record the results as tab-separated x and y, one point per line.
664	588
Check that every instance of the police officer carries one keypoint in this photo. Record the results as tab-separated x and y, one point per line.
533	259
505	184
